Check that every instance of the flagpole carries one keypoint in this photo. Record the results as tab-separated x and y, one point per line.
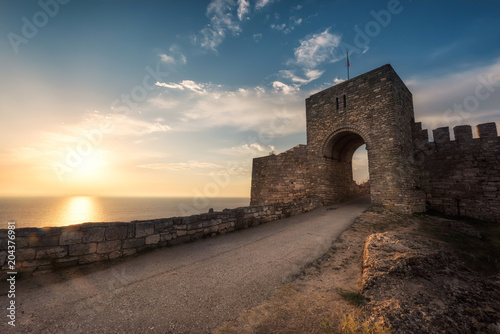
348	65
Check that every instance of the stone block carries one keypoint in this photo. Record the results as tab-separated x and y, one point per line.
24	254
45	240
28	231
153	239
51	231
115	255
133	243
462	133
91	258
162	226
93	235
144	229
116	233
65	262
129	252
51	252
487	130
82	249
108	246
69	238
166	236
35	263
3	257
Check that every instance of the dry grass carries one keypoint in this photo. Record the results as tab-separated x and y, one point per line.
326	298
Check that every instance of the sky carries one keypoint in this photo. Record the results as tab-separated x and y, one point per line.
175	98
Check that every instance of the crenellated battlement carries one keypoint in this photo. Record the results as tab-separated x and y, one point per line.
462	134
460	176
409	170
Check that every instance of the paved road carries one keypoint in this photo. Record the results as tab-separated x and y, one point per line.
190	288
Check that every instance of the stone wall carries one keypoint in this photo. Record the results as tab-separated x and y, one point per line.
43	249
280	178
407	173
375	109
461	177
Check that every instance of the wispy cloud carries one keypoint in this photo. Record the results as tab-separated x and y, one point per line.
318	49
176	166
287	28
222	21
175	57
243	9
185	84
249	108
197	167
253	150
262	3
310	75
466	97
284	88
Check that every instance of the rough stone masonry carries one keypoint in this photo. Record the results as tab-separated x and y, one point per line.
407	172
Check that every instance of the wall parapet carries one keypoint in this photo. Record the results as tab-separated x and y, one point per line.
460	177
40	250
462	133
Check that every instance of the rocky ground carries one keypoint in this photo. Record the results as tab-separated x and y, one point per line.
391	273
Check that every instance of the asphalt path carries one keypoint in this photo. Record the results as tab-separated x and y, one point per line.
190	288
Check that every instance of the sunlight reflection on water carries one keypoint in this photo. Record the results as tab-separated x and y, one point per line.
78	209
61	211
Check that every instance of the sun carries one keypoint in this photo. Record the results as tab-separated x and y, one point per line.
91	166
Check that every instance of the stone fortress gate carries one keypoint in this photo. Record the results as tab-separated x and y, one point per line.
376	109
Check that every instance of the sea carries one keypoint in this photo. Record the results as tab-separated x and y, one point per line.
62	211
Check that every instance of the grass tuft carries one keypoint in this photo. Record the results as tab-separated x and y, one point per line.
353	297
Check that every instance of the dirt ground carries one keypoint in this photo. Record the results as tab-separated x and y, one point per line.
392	283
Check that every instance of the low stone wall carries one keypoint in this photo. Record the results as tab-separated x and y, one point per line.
44	249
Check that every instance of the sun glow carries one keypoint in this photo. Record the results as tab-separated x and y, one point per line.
77	210
92	166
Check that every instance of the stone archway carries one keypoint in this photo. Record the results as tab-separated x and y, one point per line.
375	109
338	150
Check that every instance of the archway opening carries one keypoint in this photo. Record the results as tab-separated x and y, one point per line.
346	156
360	173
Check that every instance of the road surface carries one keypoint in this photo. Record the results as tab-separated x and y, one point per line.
190	288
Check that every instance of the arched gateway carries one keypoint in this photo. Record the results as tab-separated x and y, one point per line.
375	109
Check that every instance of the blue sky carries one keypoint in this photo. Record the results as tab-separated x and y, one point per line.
175	98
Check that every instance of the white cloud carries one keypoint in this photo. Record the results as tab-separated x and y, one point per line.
120	125
222	20
199	168
259	108
167	59
467	97
284	88
176	166
317	49
176	56
279	27
243	9
247	150
286	29
336	81
310	75
262	3
185	84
